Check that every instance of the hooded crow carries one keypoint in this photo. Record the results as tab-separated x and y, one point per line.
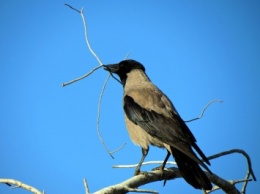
151	119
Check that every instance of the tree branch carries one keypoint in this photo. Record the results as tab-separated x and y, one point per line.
226	186
21	185
168	174
215	188
249	164
139	180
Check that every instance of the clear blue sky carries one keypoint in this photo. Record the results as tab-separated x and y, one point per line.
195	51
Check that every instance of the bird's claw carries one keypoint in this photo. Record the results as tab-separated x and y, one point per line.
160	169
140	172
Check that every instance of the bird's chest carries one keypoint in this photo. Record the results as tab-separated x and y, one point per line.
139	136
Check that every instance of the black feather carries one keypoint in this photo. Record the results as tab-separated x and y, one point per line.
191	171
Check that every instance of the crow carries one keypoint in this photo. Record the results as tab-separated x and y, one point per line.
151	119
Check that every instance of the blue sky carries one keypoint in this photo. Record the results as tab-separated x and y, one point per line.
195	51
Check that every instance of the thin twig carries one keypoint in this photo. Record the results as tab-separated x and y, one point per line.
144	163
80	78
243	190
204	109
86	186
72	7
98	120
98	117
236	151
86	32
86	37
116	150
232	182
127	55
115	77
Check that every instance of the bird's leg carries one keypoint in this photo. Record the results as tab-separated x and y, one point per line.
163	164
161	167
144	154
165	160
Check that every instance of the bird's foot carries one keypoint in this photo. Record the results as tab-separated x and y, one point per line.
161	171
159	168
140	172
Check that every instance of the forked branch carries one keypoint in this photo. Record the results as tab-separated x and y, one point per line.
89	47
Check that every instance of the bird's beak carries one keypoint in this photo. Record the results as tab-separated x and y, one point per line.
113	68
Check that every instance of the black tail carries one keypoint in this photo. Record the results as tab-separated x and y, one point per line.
191	171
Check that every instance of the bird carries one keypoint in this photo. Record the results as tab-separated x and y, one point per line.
152	119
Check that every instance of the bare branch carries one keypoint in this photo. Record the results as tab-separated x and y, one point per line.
168	174
86	75
227	186
136	181
204	109
21	185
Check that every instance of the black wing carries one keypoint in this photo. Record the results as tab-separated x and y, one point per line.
170	130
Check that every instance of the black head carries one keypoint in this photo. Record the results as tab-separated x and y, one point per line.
124	67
